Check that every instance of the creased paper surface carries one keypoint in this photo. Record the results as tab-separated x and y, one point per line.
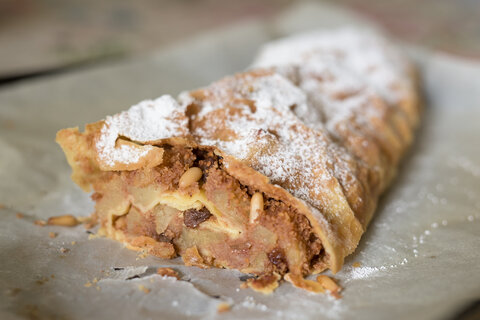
418	259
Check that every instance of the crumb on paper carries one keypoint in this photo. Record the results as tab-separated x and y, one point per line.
64	250
330	285
73	243
356	264
40	223
298	281
142	255
223	307
52	234
265	284
88	222
41	281
92	235
89	284
143	288
66	220
2	206
19	215
168	272
12	292
52	276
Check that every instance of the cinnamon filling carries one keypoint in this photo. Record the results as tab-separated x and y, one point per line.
208	216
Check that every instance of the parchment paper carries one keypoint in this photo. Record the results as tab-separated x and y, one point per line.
418	259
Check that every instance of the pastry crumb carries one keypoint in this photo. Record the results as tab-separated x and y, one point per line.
223	307
73	243
88	222
356	264
41	281
265	284
93	236
88	284
142	255
330	285
64	250
168	272
298	281
192	257
19	215
40	223
52	234
143	288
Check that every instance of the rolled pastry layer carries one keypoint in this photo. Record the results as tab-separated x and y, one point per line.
275	171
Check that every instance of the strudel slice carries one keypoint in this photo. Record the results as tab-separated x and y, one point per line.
275	171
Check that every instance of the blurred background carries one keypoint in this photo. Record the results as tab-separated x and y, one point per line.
41	37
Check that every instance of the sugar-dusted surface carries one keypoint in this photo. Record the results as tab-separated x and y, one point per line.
147	121
369	56
428	221
271	138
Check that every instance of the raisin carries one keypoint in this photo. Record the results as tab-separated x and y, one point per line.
277	258
193	217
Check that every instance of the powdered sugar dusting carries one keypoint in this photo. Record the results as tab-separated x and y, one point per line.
149	120
268	134
290	121
362	272
363	52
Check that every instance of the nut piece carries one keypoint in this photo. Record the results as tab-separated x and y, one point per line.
65	221
168	272
256	206
190	176
223	307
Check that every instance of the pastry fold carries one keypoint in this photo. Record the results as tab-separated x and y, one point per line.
273	171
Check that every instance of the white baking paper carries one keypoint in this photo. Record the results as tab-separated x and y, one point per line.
418	259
